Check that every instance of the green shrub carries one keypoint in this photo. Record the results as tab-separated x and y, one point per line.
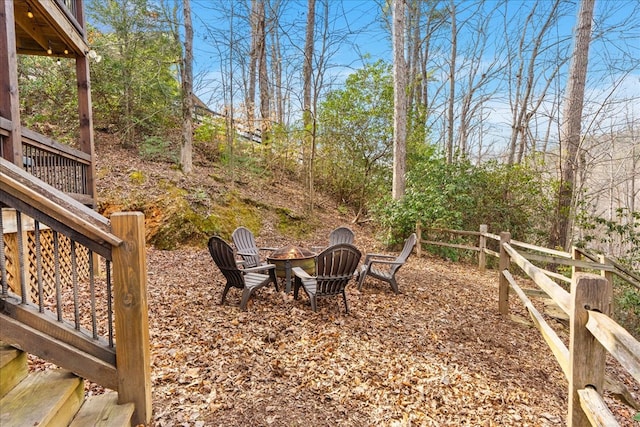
462	196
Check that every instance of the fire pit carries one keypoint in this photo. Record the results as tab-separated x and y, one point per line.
292	256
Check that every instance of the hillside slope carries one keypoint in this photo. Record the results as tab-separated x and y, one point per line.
272	206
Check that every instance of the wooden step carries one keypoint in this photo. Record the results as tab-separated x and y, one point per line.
104	411
43	399
13	367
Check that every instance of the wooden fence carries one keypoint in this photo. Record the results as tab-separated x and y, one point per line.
588	305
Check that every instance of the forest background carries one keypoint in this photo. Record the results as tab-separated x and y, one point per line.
486	81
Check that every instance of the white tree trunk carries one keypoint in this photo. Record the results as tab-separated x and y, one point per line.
399	100
186	152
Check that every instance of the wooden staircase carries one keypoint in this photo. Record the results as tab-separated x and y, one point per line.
52	398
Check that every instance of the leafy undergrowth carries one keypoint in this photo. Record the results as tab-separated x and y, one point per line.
437	354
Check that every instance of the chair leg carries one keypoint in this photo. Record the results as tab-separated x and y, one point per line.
274	279
312	299
361	276
296	288
346	304
394	285
224	294
246	293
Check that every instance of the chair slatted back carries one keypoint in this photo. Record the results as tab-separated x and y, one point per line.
341	235
246	244
335	266
224	257
406	251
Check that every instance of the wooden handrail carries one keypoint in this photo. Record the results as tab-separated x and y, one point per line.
38	140
55	203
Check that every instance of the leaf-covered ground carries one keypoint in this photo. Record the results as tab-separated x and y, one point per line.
437	354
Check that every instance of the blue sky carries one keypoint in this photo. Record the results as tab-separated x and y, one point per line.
610	51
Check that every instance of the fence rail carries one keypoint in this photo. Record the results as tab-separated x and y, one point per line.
593	333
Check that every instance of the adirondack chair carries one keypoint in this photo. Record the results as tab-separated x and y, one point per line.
338	235
247	279
384	267
335	266
246	247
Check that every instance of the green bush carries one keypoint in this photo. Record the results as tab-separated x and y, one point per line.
463	196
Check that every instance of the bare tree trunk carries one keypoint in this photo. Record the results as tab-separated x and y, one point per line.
570	138
399	100
186	153
452	82
250	97
263	76
229	113
414	43
307	84
525	82
276	63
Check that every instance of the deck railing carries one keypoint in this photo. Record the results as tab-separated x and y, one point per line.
587	306
70	9
59	165
73	286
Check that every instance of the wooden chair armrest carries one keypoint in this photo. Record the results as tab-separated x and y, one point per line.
259	268
246	253
299	272
267	249
370	257
383	261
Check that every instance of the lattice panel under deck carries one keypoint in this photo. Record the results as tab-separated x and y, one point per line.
48	263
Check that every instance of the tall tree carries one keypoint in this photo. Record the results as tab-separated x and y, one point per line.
452	81
399	99
275	48
139	50
186	152
307	118
263	76
250	95
570	137
524	64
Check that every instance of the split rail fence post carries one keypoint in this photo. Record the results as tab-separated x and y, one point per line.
503	283
482	255
132	315
577	256
586	354
419	244
604	273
